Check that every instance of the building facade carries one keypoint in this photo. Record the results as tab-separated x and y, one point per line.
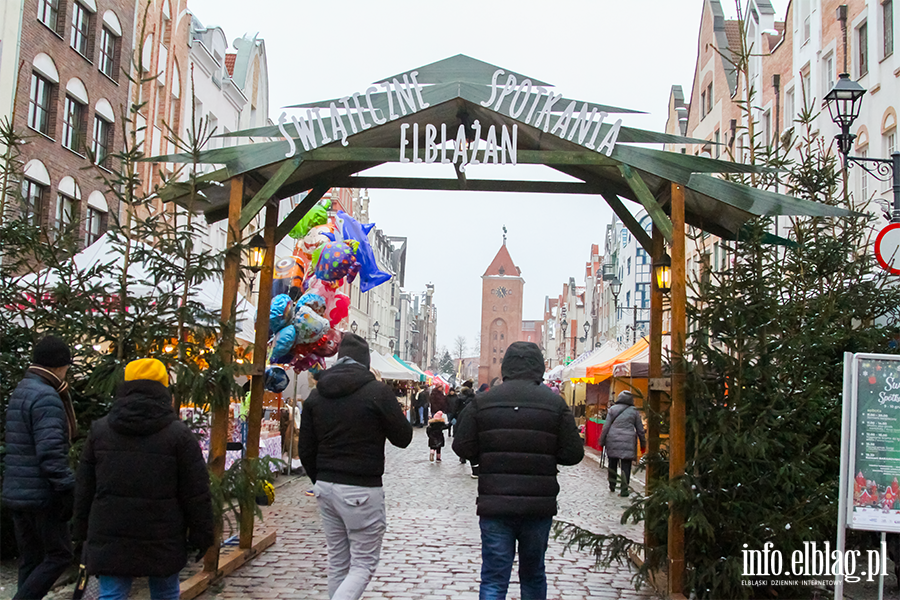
68	97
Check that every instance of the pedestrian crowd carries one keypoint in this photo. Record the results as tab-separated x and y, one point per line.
140	503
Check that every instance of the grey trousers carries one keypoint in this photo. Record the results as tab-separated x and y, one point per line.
353	519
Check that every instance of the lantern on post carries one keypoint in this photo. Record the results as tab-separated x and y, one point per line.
257	253
663	271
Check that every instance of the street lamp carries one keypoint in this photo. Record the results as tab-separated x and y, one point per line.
354	326
663	271
391	345
257	254
375	328
407	349
844	102
564	325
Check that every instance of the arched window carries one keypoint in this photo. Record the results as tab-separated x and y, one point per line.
42	100
110	45
68	198
102	140
75	115
35	183
95	217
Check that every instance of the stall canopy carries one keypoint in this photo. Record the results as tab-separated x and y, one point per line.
554	374
389	369
577	371
420	376
104	263
638	353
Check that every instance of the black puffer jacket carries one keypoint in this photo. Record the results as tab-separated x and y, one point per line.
344	424
142	496
36	466
466	395
518	433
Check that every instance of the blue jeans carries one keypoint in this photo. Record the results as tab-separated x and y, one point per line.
161	588
499	536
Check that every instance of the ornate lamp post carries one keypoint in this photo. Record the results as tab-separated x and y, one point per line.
257	255
564	325
354	326
844	102
375	328
391	345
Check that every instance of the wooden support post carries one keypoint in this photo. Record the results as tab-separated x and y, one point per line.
677	407
257	377
218	436
654	373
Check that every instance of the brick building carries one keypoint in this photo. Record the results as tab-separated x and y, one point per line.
69	97
501	313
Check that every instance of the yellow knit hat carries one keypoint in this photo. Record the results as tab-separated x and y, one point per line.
147	368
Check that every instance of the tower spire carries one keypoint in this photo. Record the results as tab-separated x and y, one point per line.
504	235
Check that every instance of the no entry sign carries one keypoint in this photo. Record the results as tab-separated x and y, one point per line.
887	248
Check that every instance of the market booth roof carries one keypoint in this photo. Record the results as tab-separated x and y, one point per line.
639	352
389	369
485	114
577	369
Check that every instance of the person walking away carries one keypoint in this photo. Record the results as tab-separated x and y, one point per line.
452	410
142	499
422	407
438	401
435	431
38	485
518	433
345	423
623	425
466	394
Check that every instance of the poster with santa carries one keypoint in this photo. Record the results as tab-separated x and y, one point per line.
875	444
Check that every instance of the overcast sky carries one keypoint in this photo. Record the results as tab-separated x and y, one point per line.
626	54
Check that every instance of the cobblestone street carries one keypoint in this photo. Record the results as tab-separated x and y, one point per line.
432	545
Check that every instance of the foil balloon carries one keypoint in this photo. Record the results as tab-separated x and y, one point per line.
318	215
336	260
370	275
276	380
288	275
319	296
341	309
313	240
281	312
307	363
281	344
329	344
310	327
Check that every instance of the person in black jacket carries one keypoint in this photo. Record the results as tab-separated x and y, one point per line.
345	422
421	407
518	433
37	482
142	494
466	394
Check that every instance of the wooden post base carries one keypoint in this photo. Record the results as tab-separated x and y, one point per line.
229	561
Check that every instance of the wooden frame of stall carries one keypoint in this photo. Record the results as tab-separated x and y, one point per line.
675	189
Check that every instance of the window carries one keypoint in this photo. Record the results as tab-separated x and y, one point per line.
887	19
92	225
805	20
827	74
108	43
81	29
48	13
863	177
789	107
628	298
890	142
709	98
702	104
39	104
807	91
65	207
767	128
73	124
101	142
32	197
862	49
642	295
628	266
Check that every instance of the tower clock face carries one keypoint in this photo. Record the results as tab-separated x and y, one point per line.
502	292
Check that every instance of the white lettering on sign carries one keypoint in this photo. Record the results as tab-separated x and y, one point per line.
404	97
464	153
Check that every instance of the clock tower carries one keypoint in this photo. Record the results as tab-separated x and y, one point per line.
501	313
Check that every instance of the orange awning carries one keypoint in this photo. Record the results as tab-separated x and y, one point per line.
604	370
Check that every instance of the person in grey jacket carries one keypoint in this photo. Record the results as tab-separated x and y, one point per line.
38	485
623	423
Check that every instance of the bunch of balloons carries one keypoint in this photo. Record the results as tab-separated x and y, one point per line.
307	306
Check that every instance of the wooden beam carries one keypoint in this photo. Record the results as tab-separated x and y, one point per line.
476	185
257	377
268	190
218	435
678	330
300	211
231	561
628	220
654	373
646	198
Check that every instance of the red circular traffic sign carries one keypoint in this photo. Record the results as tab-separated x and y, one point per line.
887	248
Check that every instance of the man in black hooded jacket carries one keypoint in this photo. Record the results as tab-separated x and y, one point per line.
345	422
518	432
142	493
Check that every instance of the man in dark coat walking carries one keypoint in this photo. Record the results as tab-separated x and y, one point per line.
420	407
37	482
518	433
623	426
142	497
345	422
